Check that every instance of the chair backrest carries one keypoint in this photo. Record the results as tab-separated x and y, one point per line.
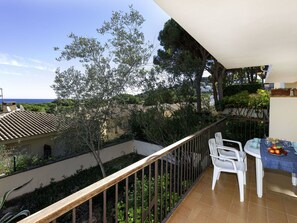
219	138
213	148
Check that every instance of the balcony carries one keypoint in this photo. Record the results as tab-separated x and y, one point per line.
278	204
182	191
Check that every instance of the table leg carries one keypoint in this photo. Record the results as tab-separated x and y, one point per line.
259	177
294	179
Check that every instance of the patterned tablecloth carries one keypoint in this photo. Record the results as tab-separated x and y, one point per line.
284	162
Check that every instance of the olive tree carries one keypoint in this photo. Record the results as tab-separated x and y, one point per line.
111	63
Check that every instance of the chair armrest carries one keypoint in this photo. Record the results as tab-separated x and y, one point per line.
230	149
225	159
236	142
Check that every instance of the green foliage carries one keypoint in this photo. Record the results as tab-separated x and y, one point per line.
246	100
242	129
182	57
160	95
147	189
121	139
42	107
35	107
237	101
5	163
246	75
10	216
112	63
64	102
164	126
127	99
176	94
235	89
22	161
27	161
50	107
205	100
260	100
182	92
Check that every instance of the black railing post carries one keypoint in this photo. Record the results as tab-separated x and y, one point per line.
14	163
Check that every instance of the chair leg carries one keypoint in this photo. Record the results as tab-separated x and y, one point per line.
216	173
219	174
240	176
244	173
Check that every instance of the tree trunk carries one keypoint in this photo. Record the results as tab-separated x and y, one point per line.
198	90
214	81
220	84
218	74
102	168
99	162
220	89
215	93
199	74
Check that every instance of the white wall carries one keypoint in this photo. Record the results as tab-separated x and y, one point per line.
58	171
35	146
291	85
283	118
145	148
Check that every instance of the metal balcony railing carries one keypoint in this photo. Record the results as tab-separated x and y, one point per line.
243	129
146	191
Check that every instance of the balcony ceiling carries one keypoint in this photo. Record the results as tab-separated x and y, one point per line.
243	33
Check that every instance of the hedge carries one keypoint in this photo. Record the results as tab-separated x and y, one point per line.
235	89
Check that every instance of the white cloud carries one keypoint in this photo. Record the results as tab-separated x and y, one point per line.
11	73
16	61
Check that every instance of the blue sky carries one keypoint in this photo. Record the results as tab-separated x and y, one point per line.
30	29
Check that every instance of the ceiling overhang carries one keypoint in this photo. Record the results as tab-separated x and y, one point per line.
243	33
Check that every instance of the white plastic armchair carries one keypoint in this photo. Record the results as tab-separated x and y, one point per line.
230	153
223	164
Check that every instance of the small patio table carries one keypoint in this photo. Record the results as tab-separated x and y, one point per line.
279	162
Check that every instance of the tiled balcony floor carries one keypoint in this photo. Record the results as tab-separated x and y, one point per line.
278	204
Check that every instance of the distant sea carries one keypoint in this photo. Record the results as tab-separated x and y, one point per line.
27	101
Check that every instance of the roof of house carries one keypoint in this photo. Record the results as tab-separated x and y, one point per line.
19	124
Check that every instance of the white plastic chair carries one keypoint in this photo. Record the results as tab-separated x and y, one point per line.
223	164
230	154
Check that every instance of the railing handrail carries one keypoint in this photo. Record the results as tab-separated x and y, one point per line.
59	208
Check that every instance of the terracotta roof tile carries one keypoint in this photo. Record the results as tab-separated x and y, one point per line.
19	124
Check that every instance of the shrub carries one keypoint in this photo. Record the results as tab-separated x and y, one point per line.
260	100
35	107
164	126
22	162
12	215
27	161
160	96
127	99
235	89
242	129
5	160
236	101
168	199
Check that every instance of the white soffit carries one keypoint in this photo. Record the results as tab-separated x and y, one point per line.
243	33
